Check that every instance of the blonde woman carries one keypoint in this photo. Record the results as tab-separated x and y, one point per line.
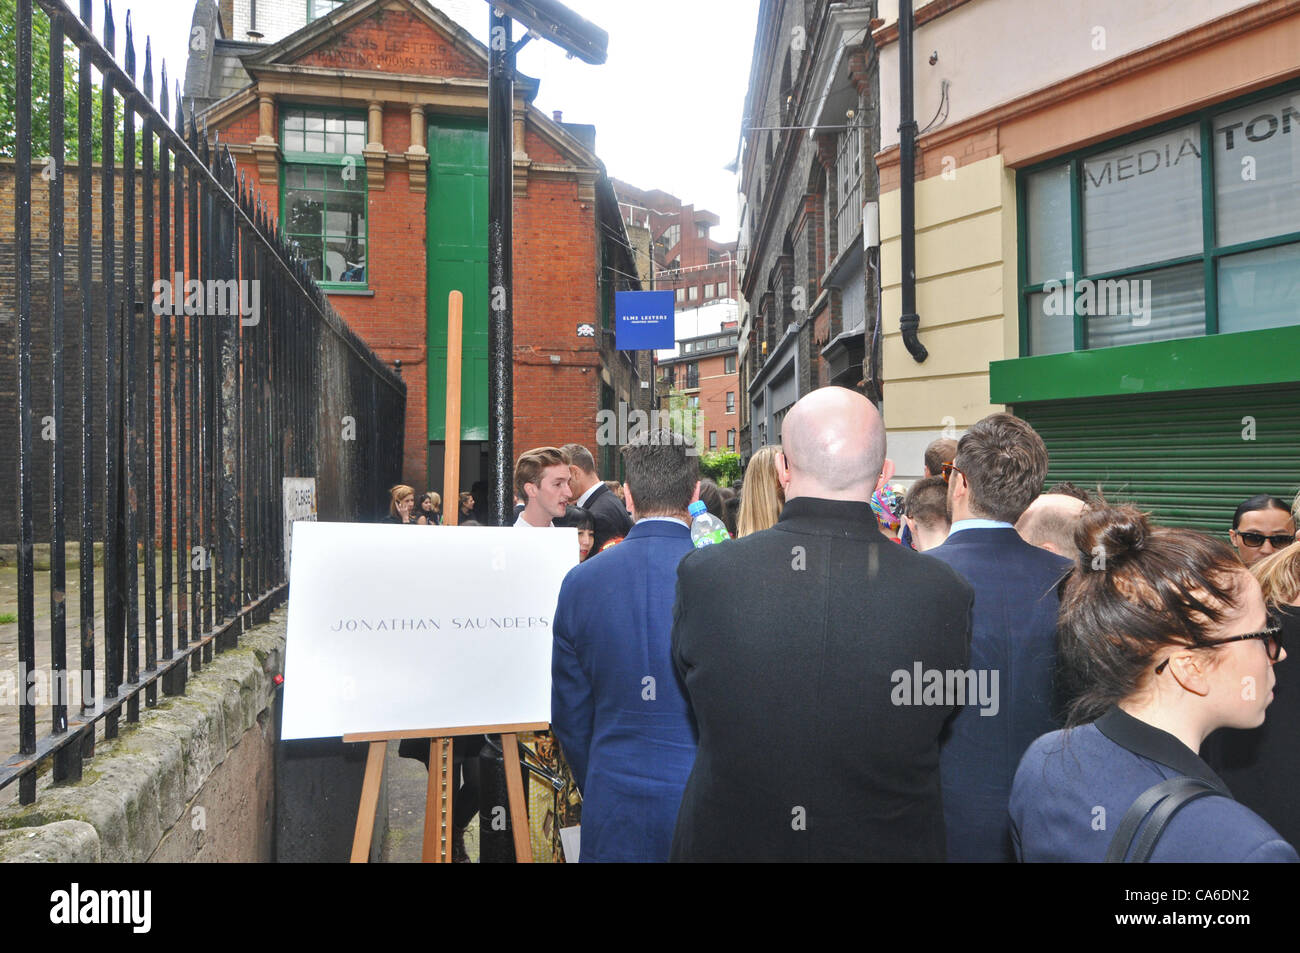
1261	766
401	500
762	497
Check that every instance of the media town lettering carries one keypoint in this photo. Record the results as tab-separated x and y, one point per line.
1142	162
1260	128
426	624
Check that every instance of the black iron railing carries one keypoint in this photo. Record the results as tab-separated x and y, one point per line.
203	401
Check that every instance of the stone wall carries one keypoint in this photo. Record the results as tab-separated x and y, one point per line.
192	781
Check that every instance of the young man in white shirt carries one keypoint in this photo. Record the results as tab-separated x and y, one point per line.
542	481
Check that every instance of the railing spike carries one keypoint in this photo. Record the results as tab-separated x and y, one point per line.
148	72
162	87
129	55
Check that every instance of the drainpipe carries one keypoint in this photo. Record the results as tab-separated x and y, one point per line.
910	320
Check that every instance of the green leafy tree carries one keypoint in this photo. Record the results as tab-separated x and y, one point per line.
721	466
41	94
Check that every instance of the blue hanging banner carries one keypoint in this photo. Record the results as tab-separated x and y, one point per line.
643	320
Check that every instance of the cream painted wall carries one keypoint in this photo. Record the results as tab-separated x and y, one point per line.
965	295
997	51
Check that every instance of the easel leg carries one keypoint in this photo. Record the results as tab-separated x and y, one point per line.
515	792
365	830
437	803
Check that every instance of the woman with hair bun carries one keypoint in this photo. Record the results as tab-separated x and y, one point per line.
1164	638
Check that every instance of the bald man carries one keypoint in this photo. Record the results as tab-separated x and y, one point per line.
1050	521
797	647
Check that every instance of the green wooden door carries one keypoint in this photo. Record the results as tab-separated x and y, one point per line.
458	260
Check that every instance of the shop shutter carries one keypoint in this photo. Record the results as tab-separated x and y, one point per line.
1188	457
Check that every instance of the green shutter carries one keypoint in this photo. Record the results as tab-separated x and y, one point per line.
458	260
1187	457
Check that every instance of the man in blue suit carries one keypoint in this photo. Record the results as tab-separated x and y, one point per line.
998	471
616	705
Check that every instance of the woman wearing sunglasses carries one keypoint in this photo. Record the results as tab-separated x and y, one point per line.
1262	766
1164	638
1261	526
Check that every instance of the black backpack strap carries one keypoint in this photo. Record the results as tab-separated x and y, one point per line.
1161	801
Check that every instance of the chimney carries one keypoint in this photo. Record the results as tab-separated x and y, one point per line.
558	115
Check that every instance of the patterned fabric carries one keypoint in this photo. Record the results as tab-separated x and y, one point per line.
887	504
548	809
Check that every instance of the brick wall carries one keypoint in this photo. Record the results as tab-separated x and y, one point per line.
555	257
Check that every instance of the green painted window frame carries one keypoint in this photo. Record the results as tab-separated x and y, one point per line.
1211	252
312	15
326	159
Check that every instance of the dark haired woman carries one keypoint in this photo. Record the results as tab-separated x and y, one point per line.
1262	765
1164	638
1261	526
581	520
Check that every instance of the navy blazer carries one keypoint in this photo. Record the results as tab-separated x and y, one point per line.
616	706
1013	634
609	516
1075	786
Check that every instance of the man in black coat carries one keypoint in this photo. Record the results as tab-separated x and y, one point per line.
797	647
589	491
998	471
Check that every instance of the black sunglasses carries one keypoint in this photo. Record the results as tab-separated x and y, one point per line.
1272	643
1255	540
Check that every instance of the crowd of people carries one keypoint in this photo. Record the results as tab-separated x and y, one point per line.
976	669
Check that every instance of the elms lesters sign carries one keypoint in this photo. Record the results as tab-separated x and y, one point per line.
643	320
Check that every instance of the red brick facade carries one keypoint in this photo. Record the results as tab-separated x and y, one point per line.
555	251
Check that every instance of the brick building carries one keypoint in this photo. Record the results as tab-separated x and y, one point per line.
364	124
685	258
810	130
703	376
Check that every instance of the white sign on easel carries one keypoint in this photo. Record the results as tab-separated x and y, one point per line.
392	628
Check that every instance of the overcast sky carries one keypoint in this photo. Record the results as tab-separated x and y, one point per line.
666	105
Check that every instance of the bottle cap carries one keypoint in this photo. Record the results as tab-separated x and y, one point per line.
696	508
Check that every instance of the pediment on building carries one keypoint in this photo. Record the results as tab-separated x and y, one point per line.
408	37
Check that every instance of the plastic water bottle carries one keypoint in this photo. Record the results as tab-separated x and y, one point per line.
706	529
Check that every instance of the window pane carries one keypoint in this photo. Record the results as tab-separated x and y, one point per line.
1050	333
293	141
1260	289
314	142
1256	167
356	142
355	126
313	176
345	260
293	119
315	121
334	142
1047	216
1161	306
309	249
346	214
303	211
1142	202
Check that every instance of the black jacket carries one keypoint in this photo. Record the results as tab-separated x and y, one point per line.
792	644
609	514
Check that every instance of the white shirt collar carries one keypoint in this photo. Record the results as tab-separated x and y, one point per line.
523	522
666	519
582	500
960	525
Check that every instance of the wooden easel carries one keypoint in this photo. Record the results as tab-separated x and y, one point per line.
442	782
